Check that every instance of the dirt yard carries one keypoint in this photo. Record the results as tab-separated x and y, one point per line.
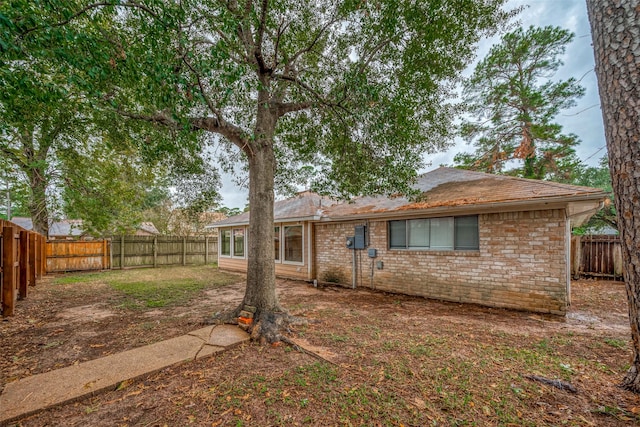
380	359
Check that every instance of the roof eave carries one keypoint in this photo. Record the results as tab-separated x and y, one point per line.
529	204
275	220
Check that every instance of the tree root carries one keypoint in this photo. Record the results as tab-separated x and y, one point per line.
271	326
561	385
229	317
267	327
631	381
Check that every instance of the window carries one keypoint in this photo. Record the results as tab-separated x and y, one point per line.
293	243
446	233
225	243
467	233
441	233
238	242
276	243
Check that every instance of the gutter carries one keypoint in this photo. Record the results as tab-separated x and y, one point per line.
531	204
275	220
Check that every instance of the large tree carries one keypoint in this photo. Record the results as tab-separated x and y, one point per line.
36	117
74	157
14	193
512	101
352	90
615	28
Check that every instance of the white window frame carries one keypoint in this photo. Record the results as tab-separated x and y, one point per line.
220	233
283	243
232	243
280	250
430	248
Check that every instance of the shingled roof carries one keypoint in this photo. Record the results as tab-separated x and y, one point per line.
449	188
304	206
443	189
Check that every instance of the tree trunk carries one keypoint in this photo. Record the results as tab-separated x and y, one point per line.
615	28
38	201
261	278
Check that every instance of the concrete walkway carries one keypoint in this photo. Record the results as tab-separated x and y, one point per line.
38	392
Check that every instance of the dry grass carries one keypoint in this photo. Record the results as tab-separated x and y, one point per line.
386	360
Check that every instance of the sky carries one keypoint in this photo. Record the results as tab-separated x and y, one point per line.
584	120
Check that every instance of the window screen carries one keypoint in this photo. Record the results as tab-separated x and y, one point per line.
446	233
293	243
238	242
398	234
276	243
442	233
467	233
418	233
225	244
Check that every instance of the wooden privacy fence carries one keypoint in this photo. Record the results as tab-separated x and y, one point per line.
155	251
130	252
75	255
22	263
596	256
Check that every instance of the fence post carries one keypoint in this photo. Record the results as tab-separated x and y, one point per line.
105	254
206	250
184	250
576	256
36	258
43	255
24	264
9	296
32	260
122	252
155	251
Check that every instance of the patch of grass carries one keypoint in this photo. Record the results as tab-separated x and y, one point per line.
615	343
152	287
69	279
337	338
159	293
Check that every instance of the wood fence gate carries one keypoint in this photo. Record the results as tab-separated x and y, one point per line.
596	256
78	255
22	263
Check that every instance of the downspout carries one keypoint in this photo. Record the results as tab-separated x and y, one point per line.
354	270
568	257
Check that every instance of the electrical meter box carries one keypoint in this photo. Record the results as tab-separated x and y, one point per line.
350	241
360	237
372	253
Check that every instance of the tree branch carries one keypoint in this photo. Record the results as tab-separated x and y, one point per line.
131	4
257	49
289	107
210	124
308	48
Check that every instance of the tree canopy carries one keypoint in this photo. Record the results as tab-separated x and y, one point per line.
75	157
348	95
513	101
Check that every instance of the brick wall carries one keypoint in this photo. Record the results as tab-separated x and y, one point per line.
521	263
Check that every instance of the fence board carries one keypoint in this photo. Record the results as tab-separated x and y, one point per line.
18	266
129	252
24	264
597	256
73	255
157	251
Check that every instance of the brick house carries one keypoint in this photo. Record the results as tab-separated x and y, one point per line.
472	237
